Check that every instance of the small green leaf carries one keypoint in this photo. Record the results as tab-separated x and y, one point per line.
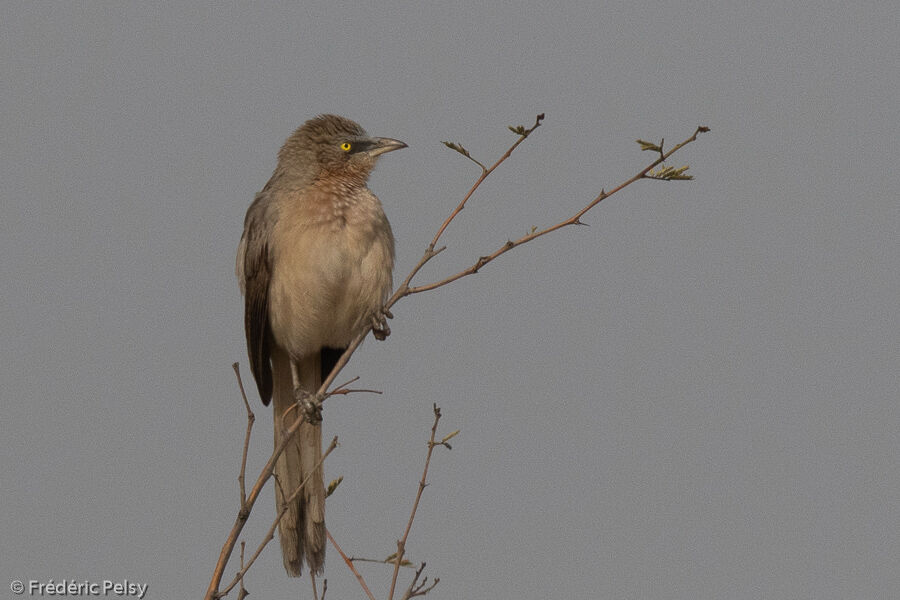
458	147
333	485
670	173
649	146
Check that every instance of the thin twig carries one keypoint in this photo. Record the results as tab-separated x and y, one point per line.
242	591
382	561
401	543
485	172
251	418
270	534
430	252
575	219
312	583
346	383
212	592
414	590
347	391
349	563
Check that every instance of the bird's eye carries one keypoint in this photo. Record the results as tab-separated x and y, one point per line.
346	146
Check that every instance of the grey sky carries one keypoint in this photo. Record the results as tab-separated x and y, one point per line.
694	397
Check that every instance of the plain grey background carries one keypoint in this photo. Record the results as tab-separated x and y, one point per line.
694	397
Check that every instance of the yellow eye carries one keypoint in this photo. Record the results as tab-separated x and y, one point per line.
346	146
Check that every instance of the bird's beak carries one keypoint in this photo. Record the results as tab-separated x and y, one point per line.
382	145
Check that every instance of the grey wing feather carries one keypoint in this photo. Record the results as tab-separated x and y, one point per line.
254	272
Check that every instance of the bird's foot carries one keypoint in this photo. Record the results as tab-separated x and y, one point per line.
308	405
380	328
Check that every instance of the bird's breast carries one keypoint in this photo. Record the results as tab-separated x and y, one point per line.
332	271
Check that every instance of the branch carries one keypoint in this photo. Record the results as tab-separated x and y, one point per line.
270	534
349	563
401	543
242	591
430	252
251	418
667	173
212	592
423	588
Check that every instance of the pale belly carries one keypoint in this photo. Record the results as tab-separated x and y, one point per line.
325	288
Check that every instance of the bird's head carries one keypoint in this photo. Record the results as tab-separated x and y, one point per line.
329	145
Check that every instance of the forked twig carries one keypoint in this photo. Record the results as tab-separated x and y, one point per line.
401	543
212	591
421	589
251	418
270	534
575	219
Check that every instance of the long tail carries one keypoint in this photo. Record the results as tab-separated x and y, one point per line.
302	528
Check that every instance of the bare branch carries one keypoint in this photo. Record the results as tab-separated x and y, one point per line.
382	561
572	220
401	543
251	418
345	392
212	591
270	534
242	591
349	563
430	252
421	589
312	584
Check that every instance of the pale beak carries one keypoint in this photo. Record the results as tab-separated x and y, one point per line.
382	145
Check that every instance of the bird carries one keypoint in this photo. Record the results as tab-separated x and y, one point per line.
315	266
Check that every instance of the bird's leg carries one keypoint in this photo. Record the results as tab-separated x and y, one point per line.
306	401
380	328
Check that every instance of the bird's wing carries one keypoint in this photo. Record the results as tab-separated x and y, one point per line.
254	273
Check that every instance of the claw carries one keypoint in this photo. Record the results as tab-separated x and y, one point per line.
380	328
307	404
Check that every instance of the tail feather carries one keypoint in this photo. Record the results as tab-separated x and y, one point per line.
302	528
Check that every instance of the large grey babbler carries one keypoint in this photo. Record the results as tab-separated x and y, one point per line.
315	265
